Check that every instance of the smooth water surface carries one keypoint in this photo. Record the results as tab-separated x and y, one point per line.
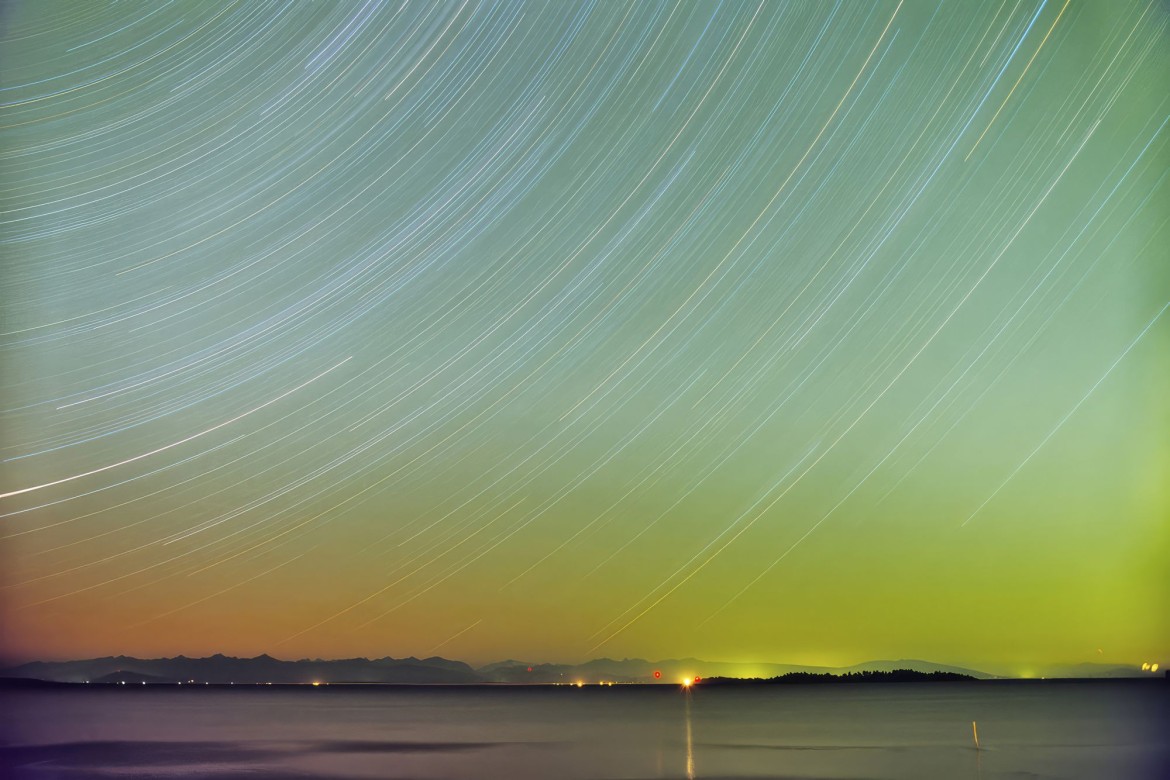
1038	730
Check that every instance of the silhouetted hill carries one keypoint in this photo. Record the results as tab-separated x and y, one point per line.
892	676
911	664
28	682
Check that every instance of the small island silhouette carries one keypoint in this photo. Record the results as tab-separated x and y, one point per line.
802	678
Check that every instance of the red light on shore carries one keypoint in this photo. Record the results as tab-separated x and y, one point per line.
530	668
697	679
657	675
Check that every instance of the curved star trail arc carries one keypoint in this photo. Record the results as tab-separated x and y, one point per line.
783	331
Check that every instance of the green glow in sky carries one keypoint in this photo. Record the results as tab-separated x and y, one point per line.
795	332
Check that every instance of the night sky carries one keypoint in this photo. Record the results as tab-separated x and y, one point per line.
793	332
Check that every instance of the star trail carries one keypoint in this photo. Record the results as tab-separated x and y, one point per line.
793	332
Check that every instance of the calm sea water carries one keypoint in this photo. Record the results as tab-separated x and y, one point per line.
1042	730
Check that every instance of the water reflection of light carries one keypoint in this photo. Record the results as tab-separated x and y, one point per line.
690	740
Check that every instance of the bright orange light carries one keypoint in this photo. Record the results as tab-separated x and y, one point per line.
686	683
315	684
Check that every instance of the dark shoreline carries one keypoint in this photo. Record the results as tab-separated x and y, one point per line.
16	684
